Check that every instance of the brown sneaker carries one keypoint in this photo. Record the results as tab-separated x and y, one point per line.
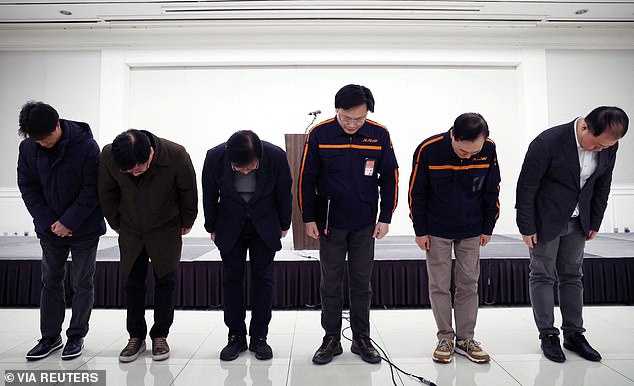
472	350
160	349
131	352
444	351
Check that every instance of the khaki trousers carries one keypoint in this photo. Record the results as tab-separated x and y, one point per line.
467	273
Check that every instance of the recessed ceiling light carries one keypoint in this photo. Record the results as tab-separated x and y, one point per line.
65	12
581	11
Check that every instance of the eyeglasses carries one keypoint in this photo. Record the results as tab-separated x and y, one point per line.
345	119
246	169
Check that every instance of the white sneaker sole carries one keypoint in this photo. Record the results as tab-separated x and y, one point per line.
132	357
53	349
472	359
73	356
161	357
440	360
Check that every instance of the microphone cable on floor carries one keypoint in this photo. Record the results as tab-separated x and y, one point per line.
385	357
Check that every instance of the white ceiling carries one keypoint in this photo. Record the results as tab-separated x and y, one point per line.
107	14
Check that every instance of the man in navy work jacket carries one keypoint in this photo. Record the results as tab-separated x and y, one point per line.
562	193
57	176
247	201
453	198
346	160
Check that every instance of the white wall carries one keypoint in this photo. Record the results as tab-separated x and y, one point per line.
580	80
69	81
199	96
200	107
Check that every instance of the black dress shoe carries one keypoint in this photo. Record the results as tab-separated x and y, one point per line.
363	346
73	348
261	349
552	349
330	347
44	348
236	345
578	343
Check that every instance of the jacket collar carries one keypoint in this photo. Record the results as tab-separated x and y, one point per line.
260	176
569	145
364	131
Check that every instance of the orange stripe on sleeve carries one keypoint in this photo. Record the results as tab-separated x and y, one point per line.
395	190
415	172
301	170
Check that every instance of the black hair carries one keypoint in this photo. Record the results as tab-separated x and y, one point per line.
354	95
609	118
469	126
131	148
243	147
37	120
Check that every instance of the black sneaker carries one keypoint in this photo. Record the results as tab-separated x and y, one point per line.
236	345
73	348
132	351
261	349
160	349
44	348
363	347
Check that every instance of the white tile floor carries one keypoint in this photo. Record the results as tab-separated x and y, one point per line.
408	336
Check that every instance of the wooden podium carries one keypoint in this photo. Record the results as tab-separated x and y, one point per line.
294	151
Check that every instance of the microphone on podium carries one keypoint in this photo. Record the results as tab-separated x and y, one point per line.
314	114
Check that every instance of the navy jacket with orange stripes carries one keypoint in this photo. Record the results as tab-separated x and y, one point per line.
349	169
451	197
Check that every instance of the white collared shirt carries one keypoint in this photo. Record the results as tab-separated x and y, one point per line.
588	161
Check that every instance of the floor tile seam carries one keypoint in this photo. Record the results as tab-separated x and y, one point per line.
290	355
617	371
506	371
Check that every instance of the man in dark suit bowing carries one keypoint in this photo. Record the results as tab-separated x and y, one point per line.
562	193
247	202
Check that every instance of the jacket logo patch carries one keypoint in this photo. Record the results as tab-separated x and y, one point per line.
369	140
480	159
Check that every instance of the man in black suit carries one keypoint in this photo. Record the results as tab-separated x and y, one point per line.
562	193
247	202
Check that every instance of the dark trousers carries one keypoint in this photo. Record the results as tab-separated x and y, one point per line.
164	300
359	246
233	292
82	274
560	259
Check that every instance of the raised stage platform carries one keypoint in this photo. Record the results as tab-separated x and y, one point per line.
400	275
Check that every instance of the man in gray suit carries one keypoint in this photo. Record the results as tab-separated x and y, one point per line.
562	194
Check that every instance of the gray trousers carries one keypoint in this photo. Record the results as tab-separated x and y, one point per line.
561	258
467	274
52	297
359	246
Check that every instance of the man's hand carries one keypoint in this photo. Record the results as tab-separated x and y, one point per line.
591	235
60	230
284	234
530	240
212	236
380	230
185	231
484	240
311	229
423	242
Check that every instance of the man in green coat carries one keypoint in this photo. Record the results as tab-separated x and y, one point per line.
148	194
